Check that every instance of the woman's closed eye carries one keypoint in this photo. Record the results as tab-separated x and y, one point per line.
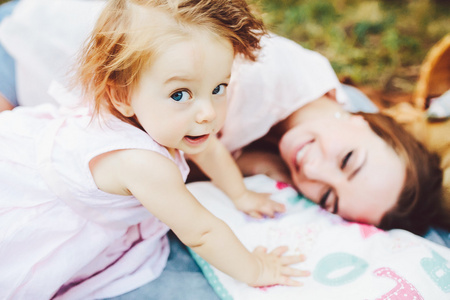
329	202
180	96
346	159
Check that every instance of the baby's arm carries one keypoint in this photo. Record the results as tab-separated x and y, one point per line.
156	182
217	162
260	161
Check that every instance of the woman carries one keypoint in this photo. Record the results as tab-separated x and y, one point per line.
293	111
364	167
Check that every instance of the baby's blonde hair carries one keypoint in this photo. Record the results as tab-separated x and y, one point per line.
129	33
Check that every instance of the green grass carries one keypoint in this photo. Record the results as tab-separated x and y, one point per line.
377	43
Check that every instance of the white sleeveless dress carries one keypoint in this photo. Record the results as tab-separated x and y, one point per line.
58	230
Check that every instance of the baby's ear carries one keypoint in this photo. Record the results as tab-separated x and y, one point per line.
120	103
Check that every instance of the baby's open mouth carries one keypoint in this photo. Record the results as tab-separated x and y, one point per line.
198	139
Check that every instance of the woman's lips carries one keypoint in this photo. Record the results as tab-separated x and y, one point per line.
196	140
299	154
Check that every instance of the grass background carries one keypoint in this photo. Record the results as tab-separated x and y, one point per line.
376	44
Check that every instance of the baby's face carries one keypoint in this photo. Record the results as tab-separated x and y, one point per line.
180	100
344	166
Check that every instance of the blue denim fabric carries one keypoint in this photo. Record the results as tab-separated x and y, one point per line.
7	68
439	236
359	102
181	279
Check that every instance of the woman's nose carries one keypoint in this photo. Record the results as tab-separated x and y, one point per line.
206	111
311	170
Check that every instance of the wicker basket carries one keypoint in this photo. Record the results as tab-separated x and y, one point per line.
434	78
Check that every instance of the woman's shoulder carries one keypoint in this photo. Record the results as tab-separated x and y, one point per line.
276	49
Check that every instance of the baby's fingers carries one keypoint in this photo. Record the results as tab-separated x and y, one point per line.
276	267
267	210
287	259
291	272
255	214
268	207
260	249
285	280
292	259
287	273
277	207
279	251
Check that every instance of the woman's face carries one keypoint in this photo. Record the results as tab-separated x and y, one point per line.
344	166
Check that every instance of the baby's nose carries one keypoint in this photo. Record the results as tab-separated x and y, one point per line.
206	112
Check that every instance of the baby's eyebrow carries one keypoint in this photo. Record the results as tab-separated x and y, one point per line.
178	78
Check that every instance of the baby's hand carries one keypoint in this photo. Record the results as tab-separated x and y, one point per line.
258	205
275	267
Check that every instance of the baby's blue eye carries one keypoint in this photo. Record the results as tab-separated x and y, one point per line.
219	90
180	96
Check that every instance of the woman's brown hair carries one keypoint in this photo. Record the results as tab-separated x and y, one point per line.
129	34
420	202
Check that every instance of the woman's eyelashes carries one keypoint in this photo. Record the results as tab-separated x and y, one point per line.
324	198
326	201
345	160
